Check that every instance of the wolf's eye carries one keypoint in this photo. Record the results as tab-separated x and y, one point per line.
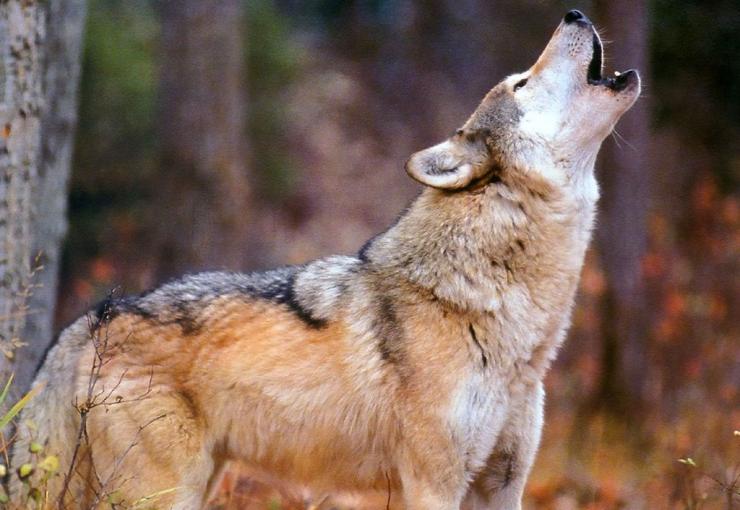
520	84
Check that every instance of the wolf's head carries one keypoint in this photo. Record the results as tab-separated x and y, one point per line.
549	120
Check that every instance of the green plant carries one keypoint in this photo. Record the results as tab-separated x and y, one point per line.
48	465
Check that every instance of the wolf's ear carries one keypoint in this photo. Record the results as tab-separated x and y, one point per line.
452	164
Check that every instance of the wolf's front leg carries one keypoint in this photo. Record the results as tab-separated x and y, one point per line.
430	494
500	485
431	468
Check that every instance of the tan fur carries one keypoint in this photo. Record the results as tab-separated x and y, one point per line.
416	367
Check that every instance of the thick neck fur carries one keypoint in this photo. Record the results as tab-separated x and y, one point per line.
470	248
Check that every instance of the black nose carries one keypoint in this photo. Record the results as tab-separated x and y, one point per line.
574	15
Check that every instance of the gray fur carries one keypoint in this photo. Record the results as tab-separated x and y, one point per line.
182	300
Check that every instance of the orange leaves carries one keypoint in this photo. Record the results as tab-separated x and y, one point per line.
704	195
654	265
83	290
592	280
102	270
674	304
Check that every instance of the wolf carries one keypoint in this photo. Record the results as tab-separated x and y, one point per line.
414	367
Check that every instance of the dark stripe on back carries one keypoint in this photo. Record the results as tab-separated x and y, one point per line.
283	292
176	312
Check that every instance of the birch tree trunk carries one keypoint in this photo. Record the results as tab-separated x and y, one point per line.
21	39
61	57
203	211
622	232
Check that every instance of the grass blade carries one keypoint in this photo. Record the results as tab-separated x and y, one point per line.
18	406
4	394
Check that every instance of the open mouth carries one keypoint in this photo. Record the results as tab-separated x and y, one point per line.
617	83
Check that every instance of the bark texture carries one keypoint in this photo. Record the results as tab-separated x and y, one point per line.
61	68
204	202
21	99
622	231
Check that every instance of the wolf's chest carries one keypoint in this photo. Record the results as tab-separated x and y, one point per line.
477	413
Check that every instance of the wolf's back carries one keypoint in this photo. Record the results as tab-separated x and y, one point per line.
54	419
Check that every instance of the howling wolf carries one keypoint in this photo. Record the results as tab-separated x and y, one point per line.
414	367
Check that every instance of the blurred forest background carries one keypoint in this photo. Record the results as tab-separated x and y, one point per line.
248	134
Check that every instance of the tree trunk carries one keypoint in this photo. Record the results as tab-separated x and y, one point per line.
622	230
203	206
62	48
21	40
